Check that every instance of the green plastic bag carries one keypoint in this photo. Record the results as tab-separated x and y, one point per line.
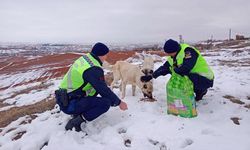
180	96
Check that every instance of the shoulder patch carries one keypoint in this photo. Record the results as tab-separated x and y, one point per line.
187	55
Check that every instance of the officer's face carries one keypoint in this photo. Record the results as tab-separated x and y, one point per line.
171	54
103	58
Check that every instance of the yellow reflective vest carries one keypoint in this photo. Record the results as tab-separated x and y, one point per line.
73	79
201	67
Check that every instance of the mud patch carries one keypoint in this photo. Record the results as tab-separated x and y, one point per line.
11	129
233	99
248	97
237	52
236	120
18	135
29	119
247	106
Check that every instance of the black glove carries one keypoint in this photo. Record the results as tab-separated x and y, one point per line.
146	78
156	74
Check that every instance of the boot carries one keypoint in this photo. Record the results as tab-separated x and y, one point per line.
199	95
75	123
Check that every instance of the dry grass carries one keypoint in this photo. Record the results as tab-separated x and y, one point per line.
14	113
3	104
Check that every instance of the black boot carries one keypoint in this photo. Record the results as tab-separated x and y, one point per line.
199	95
75	123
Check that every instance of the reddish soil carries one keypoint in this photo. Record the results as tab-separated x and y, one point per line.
56	65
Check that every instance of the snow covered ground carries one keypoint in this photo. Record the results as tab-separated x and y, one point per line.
146	125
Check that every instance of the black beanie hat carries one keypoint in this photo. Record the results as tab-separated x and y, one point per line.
171	46
100	49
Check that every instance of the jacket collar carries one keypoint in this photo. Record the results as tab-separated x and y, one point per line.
97	58
176	54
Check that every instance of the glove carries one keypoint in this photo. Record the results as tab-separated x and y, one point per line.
156	74
146	78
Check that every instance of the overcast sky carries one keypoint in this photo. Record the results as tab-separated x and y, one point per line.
121	21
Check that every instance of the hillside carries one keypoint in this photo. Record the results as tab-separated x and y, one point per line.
31	121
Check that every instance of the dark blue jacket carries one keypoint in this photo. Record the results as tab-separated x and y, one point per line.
200	82
95	76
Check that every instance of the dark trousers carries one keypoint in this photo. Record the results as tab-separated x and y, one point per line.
201	84
89	107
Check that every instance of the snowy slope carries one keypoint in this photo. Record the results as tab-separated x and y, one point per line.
146	125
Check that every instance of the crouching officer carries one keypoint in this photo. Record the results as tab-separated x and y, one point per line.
185	60
79	88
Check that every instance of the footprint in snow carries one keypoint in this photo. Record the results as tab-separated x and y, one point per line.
187	142
127	142
207	131
161	146
44	144
122	130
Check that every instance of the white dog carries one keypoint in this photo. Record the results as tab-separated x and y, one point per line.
148	66
130	74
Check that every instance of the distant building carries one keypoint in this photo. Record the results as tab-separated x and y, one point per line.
241	37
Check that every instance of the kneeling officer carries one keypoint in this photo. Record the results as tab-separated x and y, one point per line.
185	60
77	95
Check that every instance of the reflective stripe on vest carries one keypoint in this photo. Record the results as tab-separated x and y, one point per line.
69	78
201	67
73	79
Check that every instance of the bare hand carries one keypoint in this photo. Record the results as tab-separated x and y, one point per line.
123	106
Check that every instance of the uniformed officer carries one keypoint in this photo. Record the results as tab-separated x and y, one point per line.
185	60
81	85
